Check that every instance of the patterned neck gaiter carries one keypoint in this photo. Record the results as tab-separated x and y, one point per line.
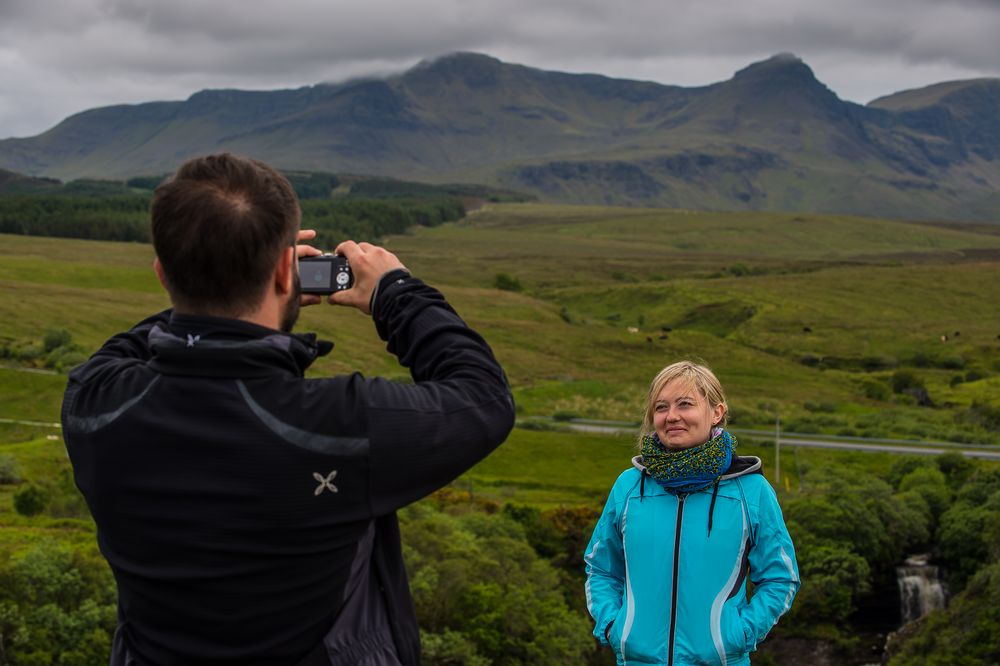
688	470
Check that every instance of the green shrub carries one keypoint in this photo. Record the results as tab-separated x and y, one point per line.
956	468
952	363
70	360
56	337
833	579
929	483
902	466
873	363
506	282
30	500
981	414
57	606
874	389
810	360
478	576
904	379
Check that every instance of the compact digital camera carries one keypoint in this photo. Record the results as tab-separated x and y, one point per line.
325	274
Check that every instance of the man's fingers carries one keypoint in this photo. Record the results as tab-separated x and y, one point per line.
349	298
306	234
368	264
306	251
310	299
349	249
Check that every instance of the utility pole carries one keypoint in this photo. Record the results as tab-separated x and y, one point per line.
777	449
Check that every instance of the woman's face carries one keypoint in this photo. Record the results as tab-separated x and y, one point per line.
682	416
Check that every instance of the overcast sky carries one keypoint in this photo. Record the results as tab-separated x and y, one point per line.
58	57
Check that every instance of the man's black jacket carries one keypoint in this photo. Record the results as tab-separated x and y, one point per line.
242	507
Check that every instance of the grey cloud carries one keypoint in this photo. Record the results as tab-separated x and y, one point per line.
121	48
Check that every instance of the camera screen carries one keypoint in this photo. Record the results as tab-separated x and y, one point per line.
315	274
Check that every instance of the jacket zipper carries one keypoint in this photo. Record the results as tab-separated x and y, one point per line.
673	587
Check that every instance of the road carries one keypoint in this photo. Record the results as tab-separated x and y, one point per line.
885	446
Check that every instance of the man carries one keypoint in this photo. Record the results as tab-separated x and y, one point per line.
246	512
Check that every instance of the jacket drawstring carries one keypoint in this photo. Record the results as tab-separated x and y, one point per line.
711	506
642	483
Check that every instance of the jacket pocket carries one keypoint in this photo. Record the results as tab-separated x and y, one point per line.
614	632
733	632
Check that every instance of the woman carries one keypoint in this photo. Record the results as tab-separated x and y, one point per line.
682	531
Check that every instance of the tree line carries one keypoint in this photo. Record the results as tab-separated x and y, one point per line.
368	209
126	217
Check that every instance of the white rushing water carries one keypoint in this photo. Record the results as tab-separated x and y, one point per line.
920	591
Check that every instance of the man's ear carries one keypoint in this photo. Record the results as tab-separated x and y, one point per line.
161	276
284	271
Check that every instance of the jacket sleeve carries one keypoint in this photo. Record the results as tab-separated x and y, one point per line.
121	351
457	410
605	567
773	570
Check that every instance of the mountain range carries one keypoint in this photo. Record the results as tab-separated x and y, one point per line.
772	137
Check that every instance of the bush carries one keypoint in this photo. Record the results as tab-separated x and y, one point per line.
811	360
981	414
56	337
833	578
902	466
874	390
873	363
903	379
964	537
57	606
30	500
506	282
482	591
929	483
70	360
952	363
956	468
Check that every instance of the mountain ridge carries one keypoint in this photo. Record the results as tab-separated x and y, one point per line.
772	137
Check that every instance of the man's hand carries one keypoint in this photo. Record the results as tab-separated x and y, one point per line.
368	264
307	251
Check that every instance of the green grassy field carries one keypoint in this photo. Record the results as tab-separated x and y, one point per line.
800	315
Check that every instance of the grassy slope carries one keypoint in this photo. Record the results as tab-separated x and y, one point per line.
864	287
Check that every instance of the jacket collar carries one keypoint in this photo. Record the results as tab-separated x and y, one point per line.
217	347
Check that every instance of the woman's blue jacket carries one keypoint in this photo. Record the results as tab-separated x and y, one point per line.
666	573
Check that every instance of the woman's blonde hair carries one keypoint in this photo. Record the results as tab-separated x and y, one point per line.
696	376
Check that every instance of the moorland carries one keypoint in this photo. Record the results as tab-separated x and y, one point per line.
835	325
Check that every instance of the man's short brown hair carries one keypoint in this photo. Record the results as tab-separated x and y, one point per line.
219	226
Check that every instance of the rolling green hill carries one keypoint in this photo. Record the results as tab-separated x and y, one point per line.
816	319
770	138
809	316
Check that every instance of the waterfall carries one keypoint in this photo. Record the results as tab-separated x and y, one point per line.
920	591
